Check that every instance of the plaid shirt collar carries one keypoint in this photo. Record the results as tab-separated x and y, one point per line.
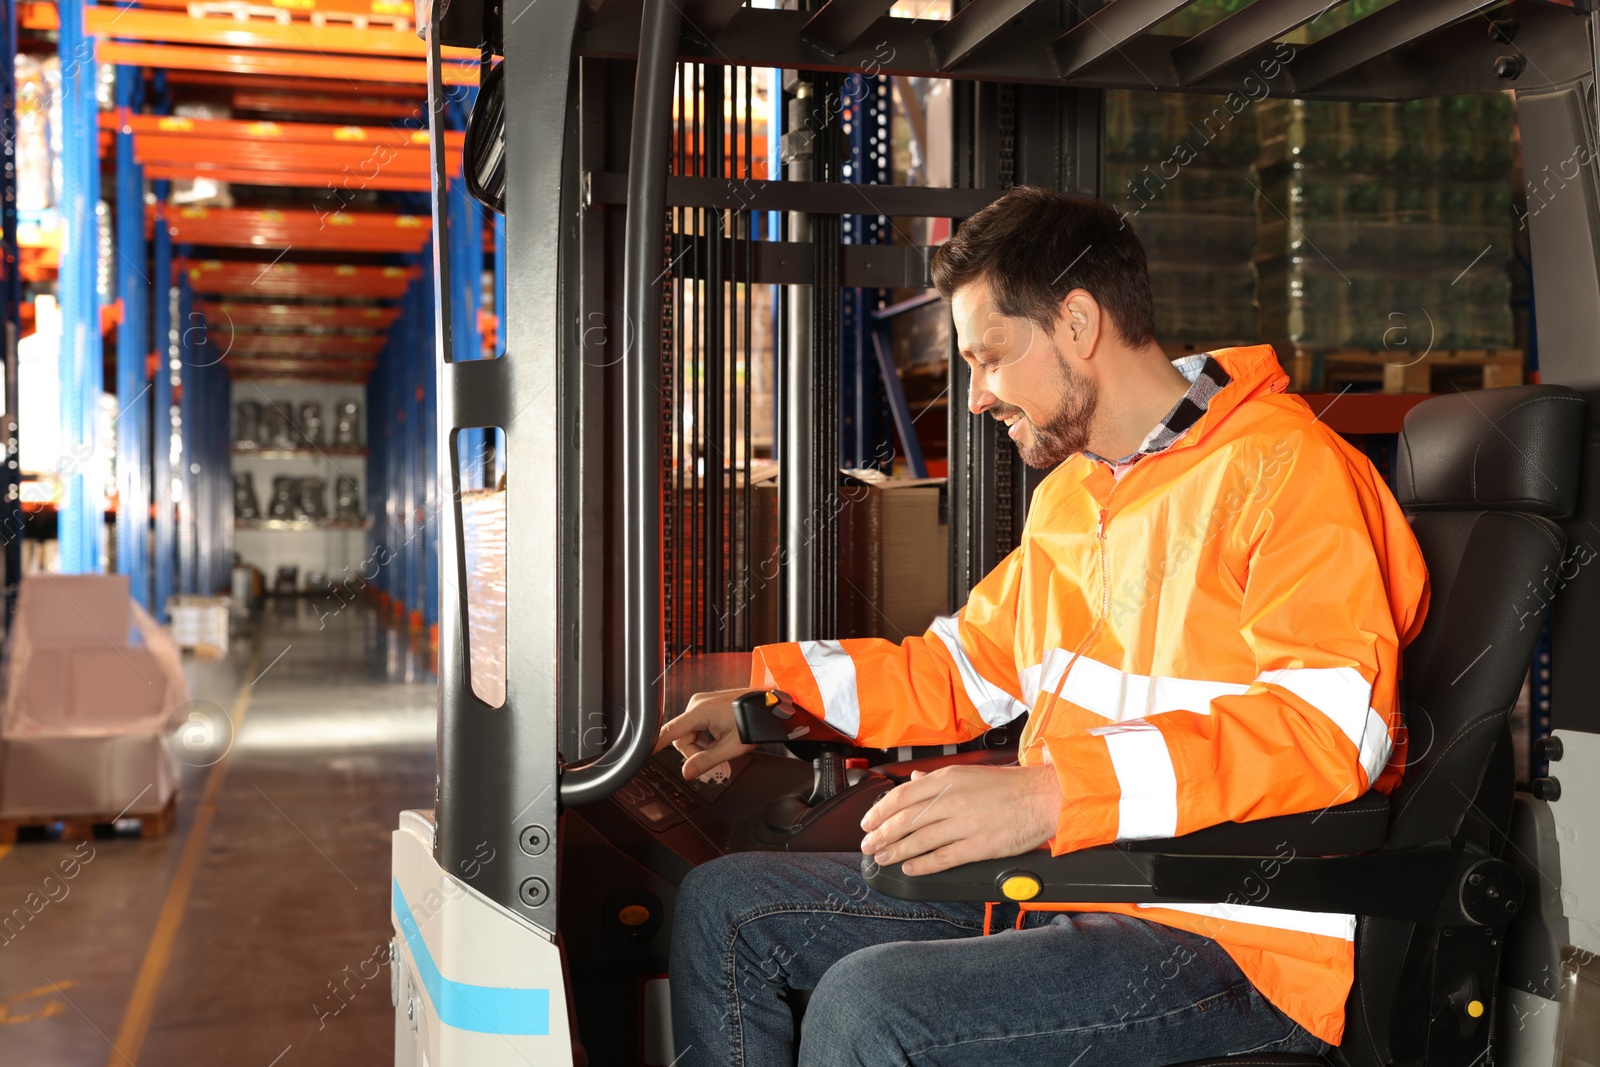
1206	380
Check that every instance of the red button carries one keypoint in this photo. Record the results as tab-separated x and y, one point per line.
855	763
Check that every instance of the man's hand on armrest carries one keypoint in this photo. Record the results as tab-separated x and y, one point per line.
705	733
959	815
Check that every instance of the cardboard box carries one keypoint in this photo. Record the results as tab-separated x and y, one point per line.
894	568
94	686
753	598
894	573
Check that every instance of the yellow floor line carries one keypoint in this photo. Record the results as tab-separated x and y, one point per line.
141	1004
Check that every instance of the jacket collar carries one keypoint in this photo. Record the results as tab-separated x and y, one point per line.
1206	378
1254	371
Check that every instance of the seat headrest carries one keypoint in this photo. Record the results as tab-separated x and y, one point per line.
1511	449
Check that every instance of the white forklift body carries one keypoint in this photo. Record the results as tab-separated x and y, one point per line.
471	982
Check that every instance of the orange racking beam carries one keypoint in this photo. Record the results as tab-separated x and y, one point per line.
299	86
280	364
283	103
277	133
318	180
400	9
299	316
303	346
282	64
172	27
345	231
39	264
35	15
275	359
43	14
354	162
355	376
258	369
314	280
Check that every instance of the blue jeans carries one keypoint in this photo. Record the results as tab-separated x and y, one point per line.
897	982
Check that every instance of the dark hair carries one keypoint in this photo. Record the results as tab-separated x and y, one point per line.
1033	246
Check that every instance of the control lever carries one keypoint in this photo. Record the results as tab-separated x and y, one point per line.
770	717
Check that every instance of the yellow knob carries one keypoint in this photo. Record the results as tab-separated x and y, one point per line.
1020	887
1475	1008
634	915
772	699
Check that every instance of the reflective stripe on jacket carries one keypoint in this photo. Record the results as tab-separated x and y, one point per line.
1214	637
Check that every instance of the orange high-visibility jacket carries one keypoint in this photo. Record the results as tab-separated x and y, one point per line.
1214	637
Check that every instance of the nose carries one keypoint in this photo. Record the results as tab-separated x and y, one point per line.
979	398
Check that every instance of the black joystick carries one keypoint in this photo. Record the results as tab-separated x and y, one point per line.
770	717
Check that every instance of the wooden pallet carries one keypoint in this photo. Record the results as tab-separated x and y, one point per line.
84	827
1396	371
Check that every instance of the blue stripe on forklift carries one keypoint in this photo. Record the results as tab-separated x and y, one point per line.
483	1009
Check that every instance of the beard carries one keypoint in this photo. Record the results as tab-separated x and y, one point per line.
1065	432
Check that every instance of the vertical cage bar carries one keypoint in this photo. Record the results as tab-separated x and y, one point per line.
12	520
752	228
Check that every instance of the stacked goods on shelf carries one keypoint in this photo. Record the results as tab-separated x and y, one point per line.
1178	168
200	624
1385	227
270	430
280	425
38	120
299	460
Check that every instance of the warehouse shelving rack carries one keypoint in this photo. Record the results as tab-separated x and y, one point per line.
312	74
329	110
316	51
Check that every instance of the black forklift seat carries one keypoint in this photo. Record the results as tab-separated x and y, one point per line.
1482	475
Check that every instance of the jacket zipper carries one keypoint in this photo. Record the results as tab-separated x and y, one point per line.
1094	631
1105	567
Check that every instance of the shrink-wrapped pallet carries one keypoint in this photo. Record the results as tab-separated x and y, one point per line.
94	687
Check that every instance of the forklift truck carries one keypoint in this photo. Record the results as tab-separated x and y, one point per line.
532	906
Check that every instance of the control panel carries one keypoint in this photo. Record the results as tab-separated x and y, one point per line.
658	797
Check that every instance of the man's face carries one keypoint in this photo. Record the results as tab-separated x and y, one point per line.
1021	378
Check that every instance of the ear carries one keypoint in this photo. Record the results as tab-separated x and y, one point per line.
1079	327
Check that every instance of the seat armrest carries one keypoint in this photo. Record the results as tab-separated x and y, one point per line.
1436	886
1359	826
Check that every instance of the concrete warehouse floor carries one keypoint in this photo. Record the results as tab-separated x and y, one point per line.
256	932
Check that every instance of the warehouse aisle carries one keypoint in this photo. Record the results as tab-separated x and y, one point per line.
257	932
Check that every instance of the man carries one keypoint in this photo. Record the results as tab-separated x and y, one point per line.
1203	621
